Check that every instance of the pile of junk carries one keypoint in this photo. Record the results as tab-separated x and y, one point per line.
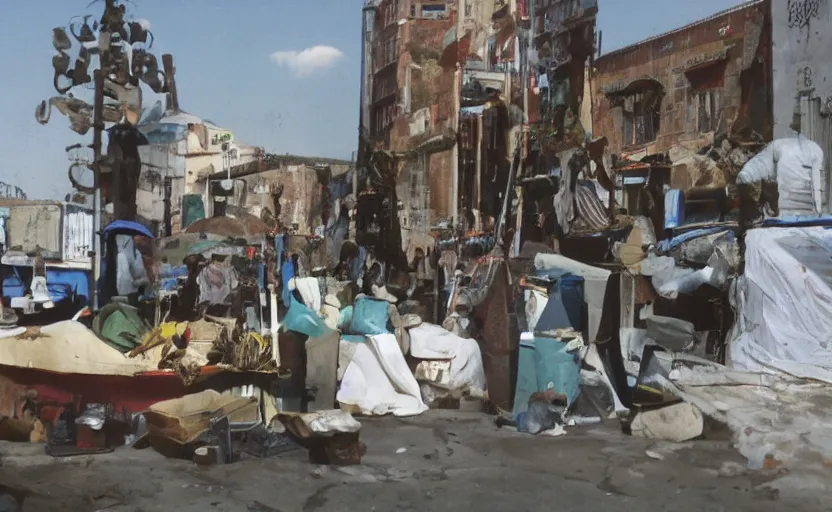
708	317
179	315
213	343
263	343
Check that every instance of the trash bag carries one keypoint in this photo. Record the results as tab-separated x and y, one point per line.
370	316
301	319
120	326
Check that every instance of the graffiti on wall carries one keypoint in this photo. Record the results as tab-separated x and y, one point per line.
8	191
804	79
802	12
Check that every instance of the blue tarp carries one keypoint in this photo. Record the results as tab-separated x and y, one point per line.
565	305
800	220
125	227
370	316
302	319
63	284
286	274
545	364
669	244
674	209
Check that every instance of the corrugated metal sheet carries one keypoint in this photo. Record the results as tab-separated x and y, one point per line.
78	233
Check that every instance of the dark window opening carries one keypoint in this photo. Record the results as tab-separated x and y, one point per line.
641	117
433	11
708	110
706	86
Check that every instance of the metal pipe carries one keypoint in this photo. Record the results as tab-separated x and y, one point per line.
98	125
274	326
478	196
504	214
455	152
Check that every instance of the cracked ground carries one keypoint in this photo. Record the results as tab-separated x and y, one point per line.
451	461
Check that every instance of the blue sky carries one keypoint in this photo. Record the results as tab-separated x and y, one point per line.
282	74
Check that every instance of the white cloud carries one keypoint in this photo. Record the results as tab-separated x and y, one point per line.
308	61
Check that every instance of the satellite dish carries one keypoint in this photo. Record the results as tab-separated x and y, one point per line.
227	184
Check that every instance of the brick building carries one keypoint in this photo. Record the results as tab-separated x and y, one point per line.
681	87
411	104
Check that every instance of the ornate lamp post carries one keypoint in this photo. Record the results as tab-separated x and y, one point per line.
124	62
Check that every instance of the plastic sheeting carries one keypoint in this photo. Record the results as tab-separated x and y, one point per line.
429	341
304	320
796	163
378	380
784	303
769	416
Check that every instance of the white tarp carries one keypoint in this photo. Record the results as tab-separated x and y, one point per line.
428	341
784	304
378	380
796	163
69	347
782	418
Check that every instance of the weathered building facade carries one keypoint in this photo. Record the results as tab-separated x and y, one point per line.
183	150
681	87
309	190
488	50
411	110
189	160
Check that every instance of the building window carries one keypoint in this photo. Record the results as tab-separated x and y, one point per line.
386	52
383	117
385	87
706	83
469	8
434	11
708	108
641	117
391	12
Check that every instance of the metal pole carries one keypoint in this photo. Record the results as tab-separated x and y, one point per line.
98	125
478	195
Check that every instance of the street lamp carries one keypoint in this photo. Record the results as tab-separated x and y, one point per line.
124	63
